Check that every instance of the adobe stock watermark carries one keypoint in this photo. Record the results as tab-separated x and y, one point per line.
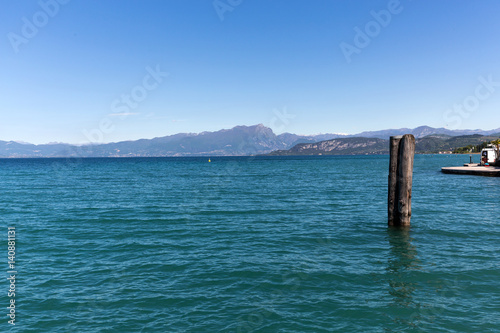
223	6
291	281
371	29
12	271
31	26
455	115
447	295
280	120
122	107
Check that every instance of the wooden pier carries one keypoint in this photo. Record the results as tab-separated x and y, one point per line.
473	169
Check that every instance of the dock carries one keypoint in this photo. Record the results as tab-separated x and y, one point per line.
473	169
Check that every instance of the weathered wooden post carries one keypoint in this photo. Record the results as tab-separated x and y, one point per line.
402	150
393	173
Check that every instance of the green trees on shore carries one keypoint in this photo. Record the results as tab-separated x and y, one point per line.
477	148
496	143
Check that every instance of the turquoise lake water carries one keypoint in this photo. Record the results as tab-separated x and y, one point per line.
276	244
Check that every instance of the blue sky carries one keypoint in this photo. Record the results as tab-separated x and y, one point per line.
78	71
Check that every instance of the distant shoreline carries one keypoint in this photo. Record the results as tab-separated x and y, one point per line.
208	156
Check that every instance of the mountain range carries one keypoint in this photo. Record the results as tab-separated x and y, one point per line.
253	140
370	146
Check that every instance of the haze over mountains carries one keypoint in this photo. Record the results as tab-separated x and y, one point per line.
249	140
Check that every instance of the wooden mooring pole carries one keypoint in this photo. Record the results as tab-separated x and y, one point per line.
402	150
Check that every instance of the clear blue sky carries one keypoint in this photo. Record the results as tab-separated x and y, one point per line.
74	71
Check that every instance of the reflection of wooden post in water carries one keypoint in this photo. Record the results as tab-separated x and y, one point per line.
402	262
402	150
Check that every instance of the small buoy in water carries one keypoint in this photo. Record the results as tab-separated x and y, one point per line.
209	161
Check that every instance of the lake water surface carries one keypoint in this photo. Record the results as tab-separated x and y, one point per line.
266	244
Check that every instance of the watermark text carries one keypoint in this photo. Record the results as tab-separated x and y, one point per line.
11	246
